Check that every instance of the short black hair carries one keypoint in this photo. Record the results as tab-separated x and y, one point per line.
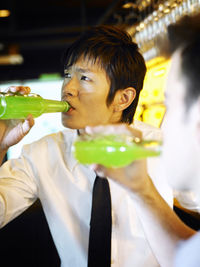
117	54
185	35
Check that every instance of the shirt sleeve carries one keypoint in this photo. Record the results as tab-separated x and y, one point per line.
18	189
187	253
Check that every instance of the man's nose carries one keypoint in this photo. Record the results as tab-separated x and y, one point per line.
70	88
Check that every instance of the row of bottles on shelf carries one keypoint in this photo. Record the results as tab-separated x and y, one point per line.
156	23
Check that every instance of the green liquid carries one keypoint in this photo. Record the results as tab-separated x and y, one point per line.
110	153
19	107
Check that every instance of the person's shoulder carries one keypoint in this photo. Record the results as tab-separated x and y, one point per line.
148	131
61	138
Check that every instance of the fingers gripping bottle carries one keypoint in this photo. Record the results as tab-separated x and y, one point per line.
113	151
15	106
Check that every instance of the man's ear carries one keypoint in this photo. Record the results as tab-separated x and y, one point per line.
123	98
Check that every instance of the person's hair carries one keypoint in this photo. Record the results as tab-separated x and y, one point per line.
185	35
117	55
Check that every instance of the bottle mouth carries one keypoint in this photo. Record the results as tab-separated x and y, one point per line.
68	107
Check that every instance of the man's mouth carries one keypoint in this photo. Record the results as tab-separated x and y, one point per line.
70	109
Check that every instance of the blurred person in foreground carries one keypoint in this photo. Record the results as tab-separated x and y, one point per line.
180	157
104	74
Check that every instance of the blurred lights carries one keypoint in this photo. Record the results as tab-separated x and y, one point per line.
4	13
151	108
128	5
167	10
155	23
11	59
159	72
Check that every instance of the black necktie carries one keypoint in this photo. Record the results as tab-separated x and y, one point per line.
99	253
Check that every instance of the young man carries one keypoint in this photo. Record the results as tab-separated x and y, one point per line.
104	74
180	154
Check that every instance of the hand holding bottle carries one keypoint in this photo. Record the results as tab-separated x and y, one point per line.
12	131
113	150
133	176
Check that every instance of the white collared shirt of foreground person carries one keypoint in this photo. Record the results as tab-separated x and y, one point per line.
64	188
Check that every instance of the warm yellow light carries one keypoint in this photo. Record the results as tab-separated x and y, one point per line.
128	5
11	59
151	108
142	25
154	115
4	13
155	61
167	10
160	72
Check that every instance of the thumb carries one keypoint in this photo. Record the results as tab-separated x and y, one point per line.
16	134
27	125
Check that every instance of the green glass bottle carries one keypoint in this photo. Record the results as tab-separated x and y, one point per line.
113	151
15	106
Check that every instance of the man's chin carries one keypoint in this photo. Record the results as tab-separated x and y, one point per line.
71	125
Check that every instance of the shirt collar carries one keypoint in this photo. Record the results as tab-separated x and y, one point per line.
69	136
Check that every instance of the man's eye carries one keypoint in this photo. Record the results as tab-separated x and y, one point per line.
85	78
67	75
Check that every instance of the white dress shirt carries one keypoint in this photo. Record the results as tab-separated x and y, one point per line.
187	252
47	170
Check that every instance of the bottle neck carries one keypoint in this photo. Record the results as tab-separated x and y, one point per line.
55	106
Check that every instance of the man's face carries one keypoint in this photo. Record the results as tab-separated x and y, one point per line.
180	156
86	87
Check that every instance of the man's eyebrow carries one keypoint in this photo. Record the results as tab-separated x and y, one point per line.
83	70
80	70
